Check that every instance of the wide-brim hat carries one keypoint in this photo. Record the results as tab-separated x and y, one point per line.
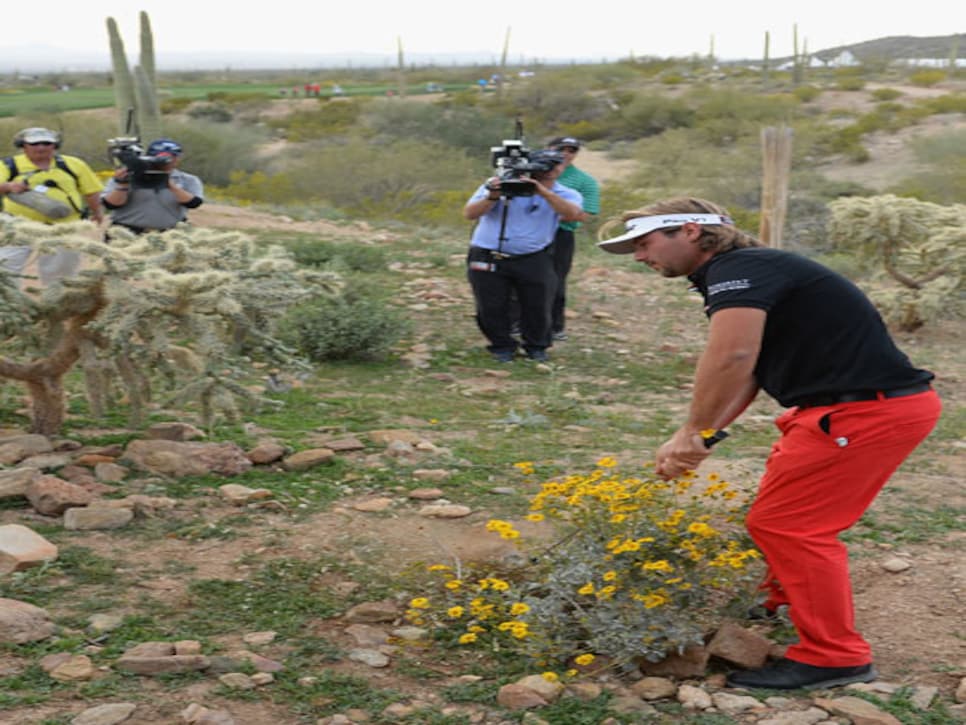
641	225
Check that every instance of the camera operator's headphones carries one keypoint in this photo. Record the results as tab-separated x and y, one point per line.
20	140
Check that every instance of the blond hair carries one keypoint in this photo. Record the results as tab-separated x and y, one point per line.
715	238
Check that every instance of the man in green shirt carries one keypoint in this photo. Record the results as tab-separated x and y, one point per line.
564	244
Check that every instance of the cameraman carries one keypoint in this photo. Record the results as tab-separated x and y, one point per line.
510	254
141	206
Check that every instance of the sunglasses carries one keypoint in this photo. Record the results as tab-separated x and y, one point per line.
39	143
571	149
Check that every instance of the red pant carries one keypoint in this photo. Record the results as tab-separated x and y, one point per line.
816	485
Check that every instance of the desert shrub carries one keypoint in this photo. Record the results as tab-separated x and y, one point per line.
458	127
944	182
383	180
213	150
849	82
649	115
332	118
946	103
260	187
885	94
636	568
806	93
214	112
927	77
348	327
342	256
175	104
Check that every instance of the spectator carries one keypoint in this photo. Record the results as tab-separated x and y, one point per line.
564	242
510	254
857	409
155	199
42	185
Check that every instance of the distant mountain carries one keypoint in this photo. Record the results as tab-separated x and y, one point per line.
47	59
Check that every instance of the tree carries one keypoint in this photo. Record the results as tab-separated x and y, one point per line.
188	307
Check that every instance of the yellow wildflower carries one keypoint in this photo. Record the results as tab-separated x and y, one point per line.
535	517
607	462
455	612
587	588
519	608
438	567
584	660
550	676
453	584
467	638
419	603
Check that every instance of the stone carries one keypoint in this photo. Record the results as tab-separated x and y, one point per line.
860	712
425	494
366	635
371	612
14	449
436	475
266	452
237	681
731	704
585	691
97	517
259	638
960	694
518	697
105	622
693	698
304	460
811	716
51	496
370	657
385	437
13	483
110	472
654	688
174	431
239	495
548	690
372	505
76	668
895	565
162	665
691	663
22	548
21	622
111	714
445	511
180	459
741	647
187	647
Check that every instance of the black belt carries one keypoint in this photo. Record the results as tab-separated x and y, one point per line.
815	401
497	255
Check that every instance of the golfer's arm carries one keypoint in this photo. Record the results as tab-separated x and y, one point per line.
724	382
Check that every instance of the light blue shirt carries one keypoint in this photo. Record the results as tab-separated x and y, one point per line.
530	221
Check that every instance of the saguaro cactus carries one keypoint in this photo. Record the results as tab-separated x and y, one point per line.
135	91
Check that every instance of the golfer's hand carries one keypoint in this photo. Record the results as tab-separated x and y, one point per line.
683	452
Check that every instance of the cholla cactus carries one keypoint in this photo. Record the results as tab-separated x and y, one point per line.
135	91
173	306
916	252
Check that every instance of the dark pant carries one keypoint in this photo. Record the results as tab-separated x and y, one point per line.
531	279
563	259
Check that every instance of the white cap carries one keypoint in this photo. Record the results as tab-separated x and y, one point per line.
641	225
38	135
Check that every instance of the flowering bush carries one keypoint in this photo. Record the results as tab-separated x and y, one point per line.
638	567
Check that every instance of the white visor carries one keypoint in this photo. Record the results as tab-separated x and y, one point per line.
639	226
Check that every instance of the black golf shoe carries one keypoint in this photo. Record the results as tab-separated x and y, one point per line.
786	674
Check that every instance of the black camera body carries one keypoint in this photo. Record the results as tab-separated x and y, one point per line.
144	171
514	160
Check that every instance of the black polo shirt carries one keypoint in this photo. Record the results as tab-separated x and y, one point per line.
822	334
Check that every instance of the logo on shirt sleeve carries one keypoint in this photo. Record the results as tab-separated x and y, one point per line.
728	286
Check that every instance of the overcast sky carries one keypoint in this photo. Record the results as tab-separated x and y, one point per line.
604	29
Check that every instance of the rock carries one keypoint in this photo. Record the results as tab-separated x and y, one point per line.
410	634
46	461
76	668
425	494
239	495
445	511
630	705
13	483
518	697
177	459
14	449
366	635
174	431
21	622
187	647
304	460
345	445
97	517
548	690
370	612
960	694
895	565
150	649
372	505
585	691
259	638
22	548
51	496
693	698
110	714
105	622
261	664
811	716
196	714
691	663
162	665
860	712
436	475
654	688
385	437
923	696
237	681
735	704
370	657
263	678
110	472
267	452
739	646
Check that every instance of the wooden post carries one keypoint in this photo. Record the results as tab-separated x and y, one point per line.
776	147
